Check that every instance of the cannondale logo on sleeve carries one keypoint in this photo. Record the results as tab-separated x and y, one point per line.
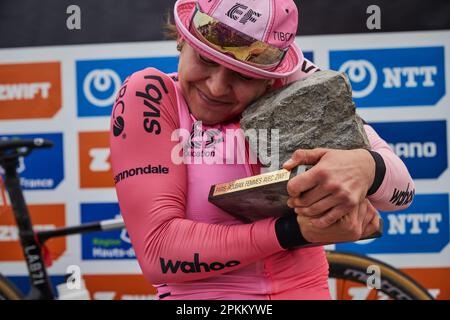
359	71
100	87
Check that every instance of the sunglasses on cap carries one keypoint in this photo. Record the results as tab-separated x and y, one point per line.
230	41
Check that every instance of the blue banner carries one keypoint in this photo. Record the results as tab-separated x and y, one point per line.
104	245
422	145
98	81
421	228
393	77
43	169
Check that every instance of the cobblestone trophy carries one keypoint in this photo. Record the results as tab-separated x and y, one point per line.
315	112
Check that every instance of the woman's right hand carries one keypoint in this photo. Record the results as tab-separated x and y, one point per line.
362	222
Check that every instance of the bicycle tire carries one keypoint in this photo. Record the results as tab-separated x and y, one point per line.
394	283
8	291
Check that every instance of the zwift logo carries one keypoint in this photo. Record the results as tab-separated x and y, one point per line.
98	81
421	228
30	90
393	77
100	86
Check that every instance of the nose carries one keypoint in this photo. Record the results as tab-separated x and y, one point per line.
219	82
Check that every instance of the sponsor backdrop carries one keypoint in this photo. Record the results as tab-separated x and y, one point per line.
65	94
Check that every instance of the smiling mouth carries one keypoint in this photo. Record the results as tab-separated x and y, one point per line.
210	100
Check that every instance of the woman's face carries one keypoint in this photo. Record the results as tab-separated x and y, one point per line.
214	93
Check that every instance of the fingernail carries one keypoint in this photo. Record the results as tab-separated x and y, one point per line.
288	163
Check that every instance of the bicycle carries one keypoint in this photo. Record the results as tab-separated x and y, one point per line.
343	266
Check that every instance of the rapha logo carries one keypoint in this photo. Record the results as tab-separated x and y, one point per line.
237	12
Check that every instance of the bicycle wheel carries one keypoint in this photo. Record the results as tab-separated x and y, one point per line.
8	291
346	266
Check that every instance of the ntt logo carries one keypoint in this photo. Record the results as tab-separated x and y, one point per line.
393	77
100	87
421	228
359	71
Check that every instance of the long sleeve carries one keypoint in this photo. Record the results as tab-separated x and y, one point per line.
151	190
393	188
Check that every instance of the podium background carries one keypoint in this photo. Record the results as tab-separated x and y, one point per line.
404	95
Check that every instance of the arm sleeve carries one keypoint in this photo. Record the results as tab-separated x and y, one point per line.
151	190
393	188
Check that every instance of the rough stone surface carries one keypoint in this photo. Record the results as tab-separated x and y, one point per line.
315	112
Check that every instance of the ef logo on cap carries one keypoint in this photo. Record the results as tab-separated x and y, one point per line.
235	13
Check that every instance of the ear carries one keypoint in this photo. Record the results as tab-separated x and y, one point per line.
270	84
180	43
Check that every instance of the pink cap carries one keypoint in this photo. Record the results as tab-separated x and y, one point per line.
271	21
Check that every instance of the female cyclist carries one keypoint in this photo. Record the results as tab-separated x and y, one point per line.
232	53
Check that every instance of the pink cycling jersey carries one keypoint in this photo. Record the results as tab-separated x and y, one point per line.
187	247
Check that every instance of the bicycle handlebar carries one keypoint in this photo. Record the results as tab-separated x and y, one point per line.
12	149
27	143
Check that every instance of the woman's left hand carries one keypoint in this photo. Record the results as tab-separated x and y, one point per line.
336	185
363	222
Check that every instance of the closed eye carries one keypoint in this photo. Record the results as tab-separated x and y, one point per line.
244	77
207	61
213	63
